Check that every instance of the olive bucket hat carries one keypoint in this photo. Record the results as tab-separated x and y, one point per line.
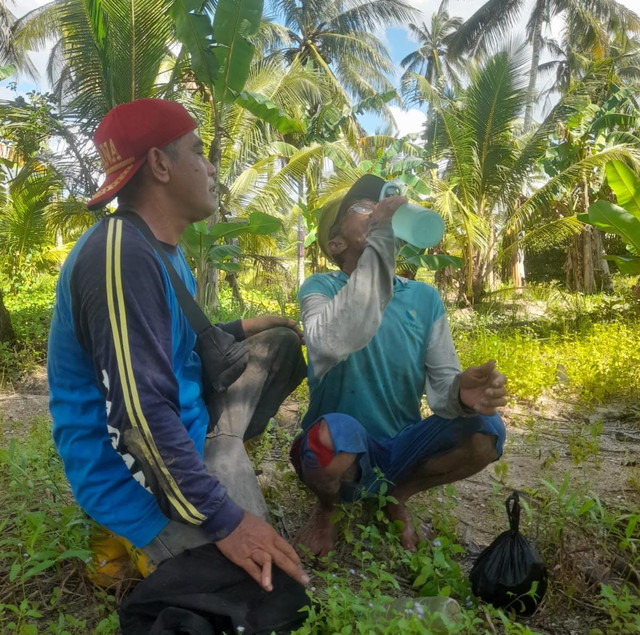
368	186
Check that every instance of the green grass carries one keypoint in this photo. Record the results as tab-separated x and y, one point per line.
44	545
30	306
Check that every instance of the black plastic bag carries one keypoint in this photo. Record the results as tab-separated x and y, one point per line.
505	572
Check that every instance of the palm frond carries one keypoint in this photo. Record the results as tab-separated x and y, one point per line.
550	234
533	208
486	27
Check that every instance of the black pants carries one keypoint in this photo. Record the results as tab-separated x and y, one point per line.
200	592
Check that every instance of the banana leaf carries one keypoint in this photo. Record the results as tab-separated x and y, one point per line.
626	184
235	21
615	220
628	265
193	29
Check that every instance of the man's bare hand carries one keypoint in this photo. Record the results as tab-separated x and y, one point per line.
483	388
387	207
255	325
254	545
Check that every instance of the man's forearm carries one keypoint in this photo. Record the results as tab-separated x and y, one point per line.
338	326
443	371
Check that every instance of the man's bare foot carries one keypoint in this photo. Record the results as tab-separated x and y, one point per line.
318	534
408	537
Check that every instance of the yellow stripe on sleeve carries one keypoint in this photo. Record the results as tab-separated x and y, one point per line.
185	505
132	402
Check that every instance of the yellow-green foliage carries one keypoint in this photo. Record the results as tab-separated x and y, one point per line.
604	364
599	365
522	359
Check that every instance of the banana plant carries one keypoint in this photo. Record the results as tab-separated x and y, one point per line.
623	219
220	54
406	161
200	242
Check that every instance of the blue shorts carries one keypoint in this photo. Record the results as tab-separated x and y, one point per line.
397	456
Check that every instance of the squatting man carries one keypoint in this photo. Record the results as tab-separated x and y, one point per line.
376	343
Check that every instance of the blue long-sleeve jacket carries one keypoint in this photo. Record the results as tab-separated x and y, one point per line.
129	420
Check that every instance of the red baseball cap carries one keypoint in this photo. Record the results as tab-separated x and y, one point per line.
127	133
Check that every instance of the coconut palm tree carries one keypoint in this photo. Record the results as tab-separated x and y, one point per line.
570	66
13	57
432	59
489	186
587	27
107	52
339	38
44	178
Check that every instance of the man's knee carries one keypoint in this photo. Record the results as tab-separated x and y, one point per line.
276	340
482	449
324	435
279	352
328	465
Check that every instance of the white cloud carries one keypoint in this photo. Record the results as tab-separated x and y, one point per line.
461	8
466	8
408	121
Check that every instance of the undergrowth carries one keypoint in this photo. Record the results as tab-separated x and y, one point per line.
597	364
44	546
370	585
30	306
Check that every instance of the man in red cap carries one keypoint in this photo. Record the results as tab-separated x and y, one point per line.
130	421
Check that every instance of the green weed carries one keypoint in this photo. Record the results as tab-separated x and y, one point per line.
622	607
597	365
44	538
584	443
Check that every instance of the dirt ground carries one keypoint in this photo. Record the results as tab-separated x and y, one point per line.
22	403
541	444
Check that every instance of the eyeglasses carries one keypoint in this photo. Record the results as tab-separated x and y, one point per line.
362	207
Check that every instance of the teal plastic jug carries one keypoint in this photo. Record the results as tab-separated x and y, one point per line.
415	224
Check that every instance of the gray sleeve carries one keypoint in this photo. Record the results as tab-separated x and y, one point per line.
443	370
336	327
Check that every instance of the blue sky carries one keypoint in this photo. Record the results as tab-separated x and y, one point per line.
396	39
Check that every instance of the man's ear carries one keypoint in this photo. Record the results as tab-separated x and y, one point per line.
336	246
159	165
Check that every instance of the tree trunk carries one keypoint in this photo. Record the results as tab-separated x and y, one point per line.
517	267
533	73
585	267
479	278
581	266
491	257
588	268
7	334
603	274
301	236
232	280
